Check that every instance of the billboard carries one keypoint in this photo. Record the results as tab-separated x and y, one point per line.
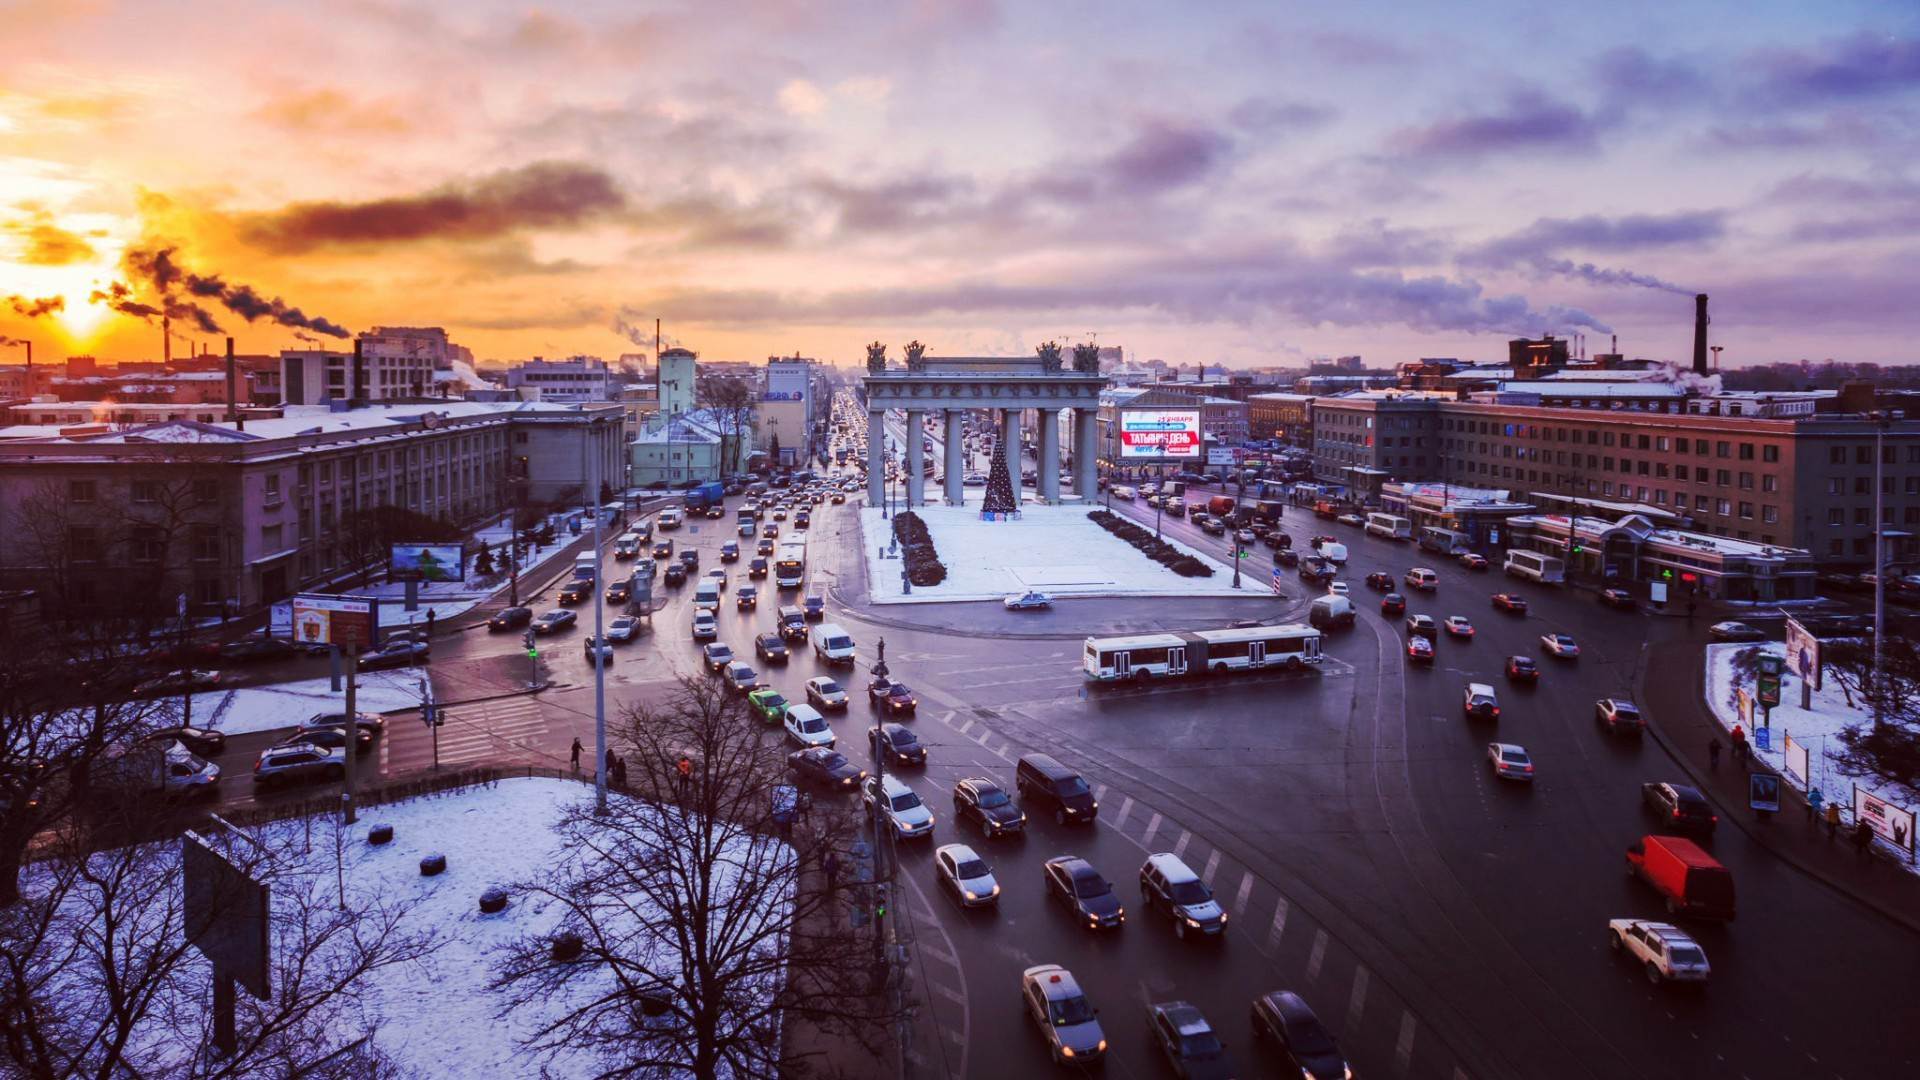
226	914
1889	822
1803	652
1159	433
427	562
335	620
1222	455
1798	768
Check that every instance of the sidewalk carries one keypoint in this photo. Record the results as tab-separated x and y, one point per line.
1680	719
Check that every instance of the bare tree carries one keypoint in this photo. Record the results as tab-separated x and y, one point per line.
1889	751
97	980
731	400
700	925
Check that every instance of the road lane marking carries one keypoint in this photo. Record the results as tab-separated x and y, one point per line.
1279	926
1153	826
1100	793
968	726
1318	955
1126	807
1213	863
1246	890
1358	999
1403	1047
1180	845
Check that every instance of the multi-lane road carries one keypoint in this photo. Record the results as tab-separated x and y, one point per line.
1441	922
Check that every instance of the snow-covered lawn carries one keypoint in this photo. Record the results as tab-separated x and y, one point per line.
1054	549
1818	728
450	598
266	708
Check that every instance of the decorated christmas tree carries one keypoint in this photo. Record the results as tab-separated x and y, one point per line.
999	498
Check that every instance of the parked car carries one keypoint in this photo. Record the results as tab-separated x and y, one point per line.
1067	1020
1679	807
1283	1019
203	741
1074	882
257	648
397	654
825	766
966	874
897	744
1188	1041
1170	887
1735	631
1663	950
1509	761
1619	716
509	618
983	802
177	682
1560	645
1029	599
283	766
826	694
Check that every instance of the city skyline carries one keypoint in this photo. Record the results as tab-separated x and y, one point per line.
1255	185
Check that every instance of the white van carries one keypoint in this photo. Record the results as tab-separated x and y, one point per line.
672	518
1331	612
1334	553
706	596
832	643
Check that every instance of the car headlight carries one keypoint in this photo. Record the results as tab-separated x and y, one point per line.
996	891
1193	922
971	895
1066	1051
1101	1046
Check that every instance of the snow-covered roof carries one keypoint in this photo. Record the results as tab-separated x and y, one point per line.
1593	388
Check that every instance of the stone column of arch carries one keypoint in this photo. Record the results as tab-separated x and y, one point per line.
1086	434
1049	468
956	492
876	457
916	456
1010	446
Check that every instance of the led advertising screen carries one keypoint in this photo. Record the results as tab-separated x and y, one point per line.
1159	433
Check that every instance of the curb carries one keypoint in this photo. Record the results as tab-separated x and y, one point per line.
1897	915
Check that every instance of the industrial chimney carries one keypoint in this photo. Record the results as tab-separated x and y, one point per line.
354	377
1700	334
233	404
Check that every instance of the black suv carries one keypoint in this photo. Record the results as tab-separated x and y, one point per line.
1679	807
676	574
982	801
1045	782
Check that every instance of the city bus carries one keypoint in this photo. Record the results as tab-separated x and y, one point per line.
1536	567
1148	656
1391	526
790	564
1444	541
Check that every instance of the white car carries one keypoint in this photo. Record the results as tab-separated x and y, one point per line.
624	628
1066	1019
824	692
807	727
1029	599
718	577
909	815
1560	645
1509	761
967	874
705	626
605	648
1665	950
1336	588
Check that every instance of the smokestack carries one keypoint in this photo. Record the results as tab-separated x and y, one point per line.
1700	334
353	377
166	341
233	406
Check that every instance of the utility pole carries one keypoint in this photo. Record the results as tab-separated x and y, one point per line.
1880	419
882	836
591	484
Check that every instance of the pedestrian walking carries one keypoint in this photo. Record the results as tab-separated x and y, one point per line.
576	753
1833	820
1713	754
429	622
1863	840
1739	743
832	866
1813	804
620	771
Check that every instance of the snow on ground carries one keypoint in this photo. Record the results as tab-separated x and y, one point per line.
1818	728
282	705
450	598
1054	549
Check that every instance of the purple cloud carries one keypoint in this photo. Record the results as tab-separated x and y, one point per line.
1631	233
1867	64
1272	116
1531	121
1164	156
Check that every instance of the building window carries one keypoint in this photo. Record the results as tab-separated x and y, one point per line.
206	491
1836	516
1746	451
1746	510
1746	480
83	543
1662	444
1680	445
1836	485
1770	514
1860	486
1769	453
1836	455
145	491
1836	547
206	543
1661	470
80	491
1660	496
273	485
1606	488
1769	482
1701	503
1720	506
146	545
1721	478
1859	515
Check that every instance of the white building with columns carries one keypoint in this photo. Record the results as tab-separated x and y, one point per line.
1012	387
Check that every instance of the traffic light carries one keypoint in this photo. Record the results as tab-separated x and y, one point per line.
880	901
527	640
1576	545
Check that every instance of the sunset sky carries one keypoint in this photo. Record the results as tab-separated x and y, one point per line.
1239	183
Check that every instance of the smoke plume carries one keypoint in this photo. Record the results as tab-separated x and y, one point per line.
157	266
34	309
7	342
302	335
1602	276
120	298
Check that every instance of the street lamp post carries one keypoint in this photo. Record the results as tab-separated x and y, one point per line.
1879	418
882	848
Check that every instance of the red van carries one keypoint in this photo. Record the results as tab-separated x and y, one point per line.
1693	882
1222	506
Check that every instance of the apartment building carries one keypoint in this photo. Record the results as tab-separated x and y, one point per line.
578	378
1766	470
226	516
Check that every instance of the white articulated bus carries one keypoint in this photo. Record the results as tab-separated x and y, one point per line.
790	564
1391	526
1149	656
1444	541
1536	567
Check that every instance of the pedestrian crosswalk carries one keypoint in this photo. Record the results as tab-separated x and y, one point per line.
491	729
